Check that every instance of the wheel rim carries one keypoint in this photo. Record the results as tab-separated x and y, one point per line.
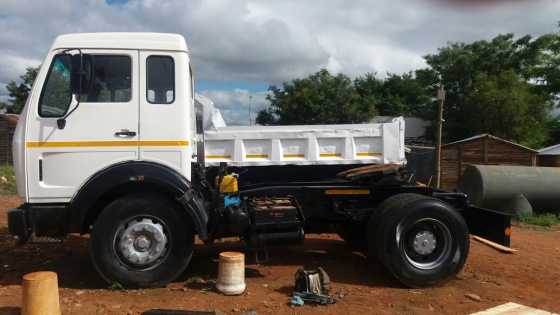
142	242
425	244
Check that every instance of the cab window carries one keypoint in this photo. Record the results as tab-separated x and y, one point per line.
160	80
57	92
107	79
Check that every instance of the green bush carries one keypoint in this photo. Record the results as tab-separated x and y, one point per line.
542	219
7	180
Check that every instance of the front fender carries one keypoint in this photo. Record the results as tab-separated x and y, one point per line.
134	176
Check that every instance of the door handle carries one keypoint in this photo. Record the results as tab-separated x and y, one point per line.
125	133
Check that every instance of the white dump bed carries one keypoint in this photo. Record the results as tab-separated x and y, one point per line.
315	144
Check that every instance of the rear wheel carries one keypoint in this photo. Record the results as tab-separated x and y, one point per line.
141	240
420	239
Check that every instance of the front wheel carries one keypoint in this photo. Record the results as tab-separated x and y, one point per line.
141	240
421	241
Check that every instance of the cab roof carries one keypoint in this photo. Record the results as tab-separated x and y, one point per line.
147	41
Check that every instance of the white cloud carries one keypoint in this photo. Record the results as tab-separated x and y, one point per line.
273	41
14	66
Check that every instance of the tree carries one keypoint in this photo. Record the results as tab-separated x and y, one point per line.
507	107
505	86
553	126
370	89
397	95
19	92
489	82
321	98
266	117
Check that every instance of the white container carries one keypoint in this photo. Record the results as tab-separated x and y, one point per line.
231	273
306	145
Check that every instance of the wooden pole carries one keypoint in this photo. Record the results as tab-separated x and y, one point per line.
440	99
250	110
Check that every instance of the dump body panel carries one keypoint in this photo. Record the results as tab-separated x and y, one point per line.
306	145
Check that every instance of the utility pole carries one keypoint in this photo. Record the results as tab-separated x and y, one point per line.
440	100
250	110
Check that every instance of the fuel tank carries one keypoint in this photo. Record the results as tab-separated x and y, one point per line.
515	189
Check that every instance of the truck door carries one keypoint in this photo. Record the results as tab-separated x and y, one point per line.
102	131
166	109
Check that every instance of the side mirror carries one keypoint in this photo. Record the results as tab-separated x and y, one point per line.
61	123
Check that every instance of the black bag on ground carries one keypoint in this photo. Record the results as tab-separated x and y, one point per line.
315	281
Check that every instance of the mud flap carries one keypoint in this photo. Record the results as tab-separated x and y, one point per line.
489	224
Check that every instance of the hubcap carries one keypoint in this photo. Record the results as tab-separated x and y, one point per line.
142	242
424	243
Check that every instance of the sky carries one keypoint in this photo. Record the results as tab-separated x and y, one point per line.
241	47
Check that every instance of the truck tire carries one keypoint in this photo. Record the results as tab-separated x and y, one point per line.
419	239
141	240
375	220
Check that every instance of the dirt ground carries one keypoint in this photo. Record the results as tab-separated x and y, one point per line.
530	277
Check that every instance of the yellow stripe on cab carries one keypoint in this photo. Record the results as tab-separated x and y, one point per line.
109	143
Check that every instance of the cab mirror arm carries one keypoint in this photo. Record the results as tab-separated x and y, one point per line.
75	84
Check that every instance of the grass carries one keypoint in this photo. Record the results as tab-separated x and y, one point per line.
541	219
198	283
7	180
115	286
195	280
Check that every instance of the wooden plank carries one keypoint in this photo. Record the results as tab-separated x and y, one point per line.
513	309
485	149
496	246
370	169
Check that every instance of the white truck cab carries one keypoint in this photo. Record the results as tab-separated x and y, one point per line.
136	103
110	144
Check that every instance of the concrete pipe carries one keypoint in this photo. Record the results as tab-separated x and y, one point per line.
40	294
231	273
514	189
